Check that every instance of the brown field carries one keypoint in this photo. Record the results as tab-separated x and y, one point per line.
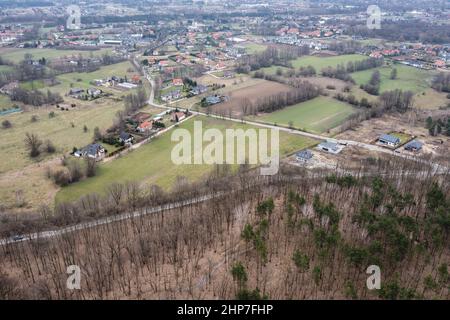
252	93
431	99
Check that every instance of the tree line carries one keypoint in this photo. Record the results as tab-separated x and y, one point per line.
302	91
280	56
35	97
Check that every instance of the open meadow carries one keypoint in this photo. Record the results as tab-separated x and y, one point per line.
317	115
408	78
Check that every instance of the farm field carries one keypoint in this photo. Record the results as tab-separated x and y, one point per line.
152	162
408	78
322	62
317	115
15	55
431	99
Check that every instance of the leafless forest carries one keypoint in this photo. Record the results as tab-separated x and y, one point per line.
290	236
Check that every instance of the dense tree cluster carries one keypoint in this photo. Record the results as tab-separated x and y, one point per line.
373	87
405	31
441	82
35	97
396	100
135	101
439	126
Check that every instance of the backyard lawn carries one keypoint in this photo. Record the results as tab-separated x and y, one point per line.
317	115
152	162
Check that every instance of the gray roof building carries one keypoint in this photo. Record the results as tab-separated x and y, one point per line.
304	155
387	138
414	145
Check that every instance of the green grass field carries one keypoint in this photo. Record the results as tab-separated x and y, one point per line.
4	68
408	78
322	62
317	115
33	85
152	162
17	54
253	48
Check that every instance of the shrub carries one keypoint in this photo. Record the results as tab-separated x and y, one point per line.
33	144
75	171
6	124
91	167
49	147
61	178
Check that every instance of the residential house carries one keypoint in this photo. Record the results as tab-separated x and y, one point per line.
94	92
93	151
126	138
177	82
414	146
304	156
172	95
136	79
330	147
211	100
76	92
389	140
200	89
178	116
145	126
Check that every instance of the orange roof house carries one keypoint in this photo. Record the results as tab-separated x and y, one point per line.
177	82
145	126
